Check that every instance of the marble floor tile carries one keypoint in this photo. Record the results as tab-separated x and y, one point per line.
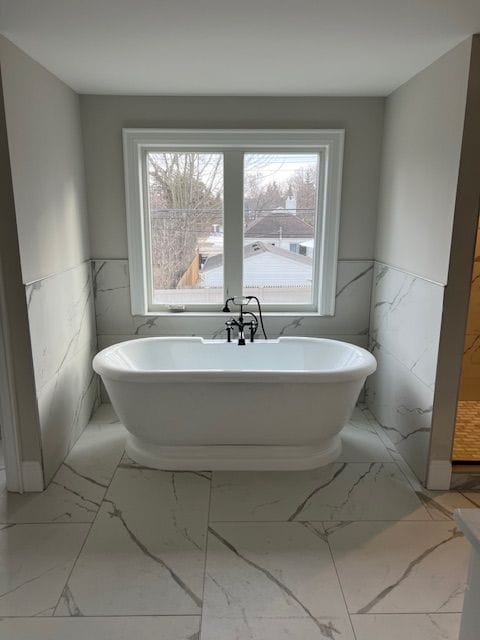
429	626
441	504
389	446
362	445
35	561
68	498
142	570
342	491
145	553
465	482
103	628
363	419
271	570
400	567
98	451
473	497
104	414
276	629
76	491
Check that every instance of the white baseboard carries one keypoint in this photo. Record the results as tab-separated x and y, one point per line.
32	476
439	475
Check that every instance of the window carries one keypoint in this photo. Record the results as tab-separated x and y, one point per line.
213	214
184	207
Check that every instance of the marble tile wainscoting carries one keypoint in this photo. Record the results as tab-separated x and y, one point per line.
62	329
115	321
356	550
404	337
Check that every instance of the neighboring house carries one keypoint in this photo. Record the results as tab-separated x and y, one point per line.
212	244
306	248
280	228
264	266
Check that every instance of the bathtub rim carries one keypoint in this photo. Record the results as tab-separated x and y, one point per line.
173	376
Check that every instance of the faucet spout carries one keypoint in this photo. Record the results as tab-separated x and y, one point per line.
240	323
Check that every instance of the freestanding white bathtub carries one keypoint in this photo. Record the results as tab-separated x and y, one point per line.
192	404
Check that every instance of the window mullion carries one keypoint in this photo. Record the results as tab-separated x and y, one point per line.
233	222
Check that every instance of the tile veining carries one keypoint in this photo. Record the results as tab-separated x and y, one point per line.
157	554
392	567
113	312
455	533
405	329
341	491
63	335
114	547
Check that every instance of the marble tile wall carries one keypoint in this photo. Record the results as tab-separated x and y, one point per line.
404	335
400	312
62	328
115	321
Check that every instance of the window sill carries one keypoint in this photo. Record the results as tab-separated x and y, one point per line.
222	314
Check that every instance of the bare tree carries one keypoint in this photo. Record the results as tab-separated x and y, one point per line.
185	191
261	197
185	200
264	193
303	185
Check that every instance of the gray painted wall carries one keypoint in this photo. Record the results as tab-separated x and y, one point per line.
421	155
420	163
103	118
13	314
46	156
47	166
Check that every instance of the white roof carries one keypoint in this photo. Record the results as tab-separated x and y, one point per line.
264	266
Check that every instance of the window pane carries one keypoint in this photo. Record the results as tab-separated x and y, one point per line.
280	196
185	203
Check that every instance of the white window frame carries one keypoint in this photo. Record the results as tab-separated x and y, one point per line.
234	143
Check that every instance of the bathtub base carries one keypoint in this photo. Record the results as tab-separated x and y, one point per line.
233	457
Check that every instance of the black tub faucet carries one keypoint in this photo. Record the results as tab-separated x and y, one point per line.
241	323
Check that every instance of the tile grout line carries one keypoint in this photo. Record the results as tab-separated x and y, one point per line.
411	486
105	615
423	490
73	566
339	581
388	444
407	613
380	435
64	523
462	493
196	615
46	522
405	476
86	538
403	519
207	534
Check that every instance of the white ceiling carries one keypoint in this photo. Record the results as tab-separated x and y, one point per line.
237	47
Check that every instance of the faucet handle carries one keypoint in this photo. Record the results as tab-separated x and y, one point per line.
228	325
